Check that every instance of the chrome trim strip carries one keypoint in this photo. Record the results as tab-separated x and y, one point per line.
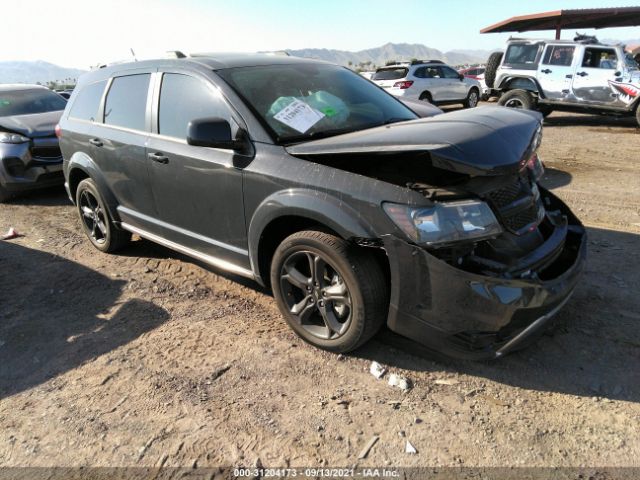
216	262
536	323
182	231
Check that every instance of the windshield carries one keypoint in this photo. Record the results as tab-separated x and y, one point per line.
303	101
25	102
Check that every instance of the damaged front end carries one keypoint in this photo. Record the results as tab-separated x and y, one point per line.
493	255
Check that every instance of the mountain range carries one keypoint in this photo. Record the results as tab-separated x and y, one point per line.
390	52
34	72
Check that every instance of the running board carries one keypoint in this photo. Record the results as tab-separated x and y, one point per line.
208	259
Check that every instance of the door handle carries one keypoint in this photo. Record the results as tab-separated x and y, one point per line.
546	70
96	141
582	74
158	157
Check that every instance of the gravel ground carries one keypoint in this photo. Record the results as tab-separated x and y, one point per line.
149	358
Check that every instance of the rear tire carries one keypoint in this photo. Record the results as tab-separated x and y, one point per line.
426	97
492	67
96	221
517	99
545	110
331	293
472	98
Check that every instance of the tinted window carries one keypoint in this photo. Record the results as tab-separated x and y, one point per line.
127	101
521	54
560	55
390	73
184	98
449	72
85	106
26	102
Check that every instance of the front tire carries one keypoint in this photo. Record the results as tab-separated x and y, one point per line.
472	98
332	294
638	114
96	221
517	99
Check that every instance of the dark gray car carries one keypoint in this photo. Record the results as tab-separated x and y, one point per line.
311	180
29	154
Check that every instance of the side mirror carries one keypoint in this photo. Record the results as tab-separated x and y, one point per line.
461	76
211	132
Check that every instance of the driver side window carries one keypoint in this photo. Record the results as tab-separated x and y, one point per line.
184	98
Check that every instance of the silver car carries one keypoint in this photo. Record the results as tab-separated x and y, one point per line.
430	81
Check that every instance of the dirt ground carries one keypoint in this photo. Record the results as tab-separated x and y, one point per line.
148	358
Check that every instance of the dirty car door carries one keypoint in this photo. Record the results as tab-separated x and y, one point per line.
198	190
591	81
555	71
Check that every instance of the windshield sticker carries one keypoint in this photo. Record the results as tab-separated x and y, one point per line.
299	116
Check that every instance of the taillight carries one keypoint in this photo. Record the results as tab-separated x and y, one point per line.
58	131
403	85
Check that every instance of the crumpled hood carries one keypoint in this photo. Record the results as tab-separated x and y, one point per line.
33	125
482	141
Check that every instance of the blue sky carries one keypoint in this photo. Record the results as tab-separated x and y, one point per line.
87	32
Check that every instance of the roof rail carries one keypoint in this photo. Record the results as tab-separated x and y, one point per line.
175	54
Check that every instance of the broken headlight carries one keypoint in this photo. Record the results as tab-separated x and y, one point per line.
445	222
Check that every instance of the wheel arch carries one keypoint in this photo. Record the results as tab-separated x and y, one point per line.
290	211
81	166
521	83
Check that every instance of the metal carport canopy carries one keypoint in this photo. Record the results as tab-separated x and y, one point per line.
575	19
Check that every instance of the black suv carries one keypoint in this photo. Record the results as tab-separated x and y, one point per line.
312	180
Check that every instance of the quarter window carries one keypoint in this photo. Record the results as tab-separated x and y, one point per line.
86	104
126	103
184	98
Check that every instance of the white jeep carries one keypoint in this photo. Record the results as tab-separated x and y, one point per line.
581	75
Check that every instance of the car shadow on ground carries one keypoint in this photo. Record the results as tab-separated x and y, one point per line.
563	119
47	197
592	349
554	178
57	315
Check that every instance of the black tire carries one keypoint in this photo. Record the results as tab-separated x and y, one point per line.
426	97
638	114
96	221
517	99
491	68
4	194
473	97
343	271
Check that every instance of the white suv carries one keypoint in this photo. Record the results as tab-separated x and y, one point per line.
431	81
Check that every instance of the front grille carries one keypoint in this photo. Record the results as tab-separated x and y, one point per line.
48	152
517	204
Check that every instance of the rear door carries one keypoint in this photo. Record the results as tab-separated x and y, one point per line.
598	65
197	190
555	71
120	141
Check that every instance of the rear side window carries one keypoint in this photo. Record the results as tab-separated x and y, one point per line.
184	98
126	102
390	73
560	55
522	55
86	104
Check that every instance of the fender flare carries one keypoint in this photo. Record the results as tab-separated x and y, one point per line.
317	206
82	161
522	83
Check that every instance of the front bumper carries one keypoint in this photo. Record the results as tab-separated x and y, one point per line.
22	170
471	316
